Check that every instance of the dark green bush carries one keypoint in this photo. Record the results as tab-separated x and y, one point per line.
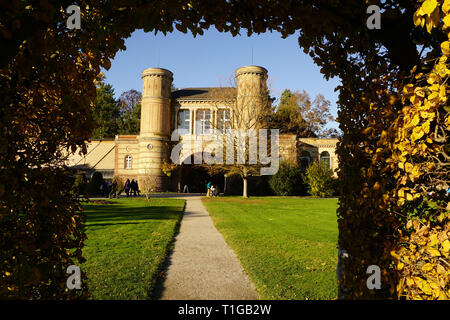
288	181
80	184
94	186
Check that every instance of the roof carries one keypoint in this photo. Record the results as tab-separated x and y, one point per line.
213	93
100	156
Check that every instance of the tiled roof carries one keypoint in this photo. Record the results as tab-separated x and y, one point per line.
204	93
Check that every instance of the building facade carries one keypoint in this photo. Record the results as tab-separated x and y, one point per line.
196	113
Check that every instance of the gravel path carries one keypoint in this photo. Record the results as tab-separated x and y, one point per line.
202	265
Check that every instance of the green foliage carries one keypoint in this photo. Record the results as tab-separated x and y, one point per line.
80	184
130	112
106	113
298	114
94	185
320	179
288	181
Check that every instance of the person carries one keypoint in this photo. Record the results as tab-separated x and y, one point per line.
185	189
213	190
133	187
113	193
127	187
208	189
136	185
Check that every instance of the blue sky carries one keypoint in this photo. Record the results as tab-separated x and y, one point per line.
210	60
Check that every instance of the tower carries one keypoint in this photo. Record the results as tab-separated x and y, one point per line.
155	125
252	94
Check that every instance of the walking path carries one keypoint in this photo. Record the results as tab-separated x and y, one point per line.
202	265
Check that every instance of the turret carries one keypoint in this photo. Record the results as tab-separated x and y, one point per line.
155	125
252	93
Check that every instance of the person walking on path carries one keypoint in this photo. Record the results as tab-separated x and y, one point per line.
136	185
127	187
133	187
113	193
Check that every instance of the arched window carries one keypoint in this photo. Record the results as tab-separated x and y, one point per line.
325	157
128	162
305	160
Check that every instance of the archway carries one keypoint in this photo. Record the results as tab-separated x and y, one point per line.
48	76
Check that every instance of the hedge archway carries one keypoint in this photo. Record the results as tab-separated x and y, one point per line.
394	152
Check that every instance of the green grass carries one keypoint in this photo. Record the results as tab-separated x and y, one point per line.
286	245
127	244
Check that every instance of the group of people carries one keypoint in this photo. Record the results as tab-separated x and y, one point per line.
110	189
132	188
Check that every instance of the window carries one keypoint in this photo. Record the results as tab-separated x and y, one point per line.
305	160
325	157
223	120
184	121
203	122
128	161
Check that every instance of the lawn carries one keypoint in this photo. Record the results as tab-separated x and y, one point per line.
286	245
127	244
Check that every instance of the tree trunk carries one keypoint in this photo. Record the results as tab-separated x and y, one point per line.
244	191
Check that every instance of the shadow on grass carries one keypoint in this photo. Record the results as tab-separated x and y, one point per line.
115	213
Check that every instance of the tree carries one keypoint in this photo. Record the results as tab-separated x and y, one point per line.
106	112
320	179
248	113
296	113
130	112
147	185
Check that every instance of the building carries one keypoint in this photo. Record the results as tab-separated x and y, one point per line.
195	112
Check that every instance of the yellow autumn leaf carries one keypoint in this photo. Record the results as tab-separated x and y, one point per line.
445	47
428	6
409	282
433	240
427	267
400	265
446	20
426	127
408	167
433	252
409	197
417	134
415	121
446	6
418	19
446	246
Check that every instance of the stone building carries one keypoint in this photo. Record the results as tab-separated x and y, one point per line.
195	112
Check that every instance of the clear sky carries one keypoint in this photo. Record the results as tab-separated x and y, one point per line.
211	60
